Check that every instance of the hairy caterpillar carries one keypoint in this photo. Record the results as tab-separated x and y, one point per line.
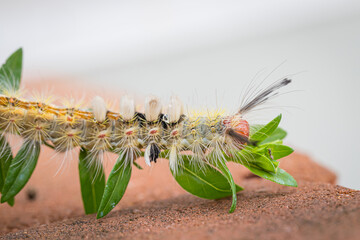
197	145
209	137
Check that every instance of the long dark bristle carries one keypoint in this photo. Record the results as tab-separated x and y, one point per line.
264	95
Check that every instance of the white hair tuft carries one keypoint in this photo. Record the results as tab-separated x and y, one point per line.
152	108
99	110
127	108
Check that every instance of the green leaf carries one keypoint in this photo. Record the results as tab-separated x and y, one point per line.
115	186
277	151
265	131
226	172
11	202
206	183
10	72
249	157
5	161
278	134
280	177
20	170
92	183
137	165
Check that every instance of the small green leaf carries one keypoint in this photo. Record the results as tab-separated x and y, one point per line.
225	170
249	157
5	161
10	72
206	183
278	151
115	186
11	202
92	183
137	165
265	131
278	134
280	177
20	170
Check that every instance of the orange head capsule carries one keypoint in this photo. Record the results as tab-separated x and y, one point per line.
239	125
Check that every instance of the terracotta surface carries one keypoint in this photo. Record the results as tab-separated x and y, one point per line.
155	207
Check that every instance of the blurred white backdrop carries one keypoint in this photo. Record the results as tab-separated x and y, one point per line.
207	52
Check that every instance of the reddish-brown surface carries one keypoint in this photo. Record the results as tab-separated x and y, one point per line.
155	207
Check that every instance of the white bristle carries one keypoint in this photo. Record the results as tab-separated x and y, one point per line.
173	159
152	108
147	155
127	108
175	109
99	110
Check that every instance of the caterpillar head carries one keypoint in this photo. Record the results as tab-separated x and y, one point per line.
237	129
238	124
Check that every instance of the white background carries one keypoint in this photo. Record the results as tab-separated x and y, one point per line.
207	52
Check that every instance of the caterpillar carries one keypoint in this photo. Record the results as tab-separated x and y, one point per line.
97	129
197	145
